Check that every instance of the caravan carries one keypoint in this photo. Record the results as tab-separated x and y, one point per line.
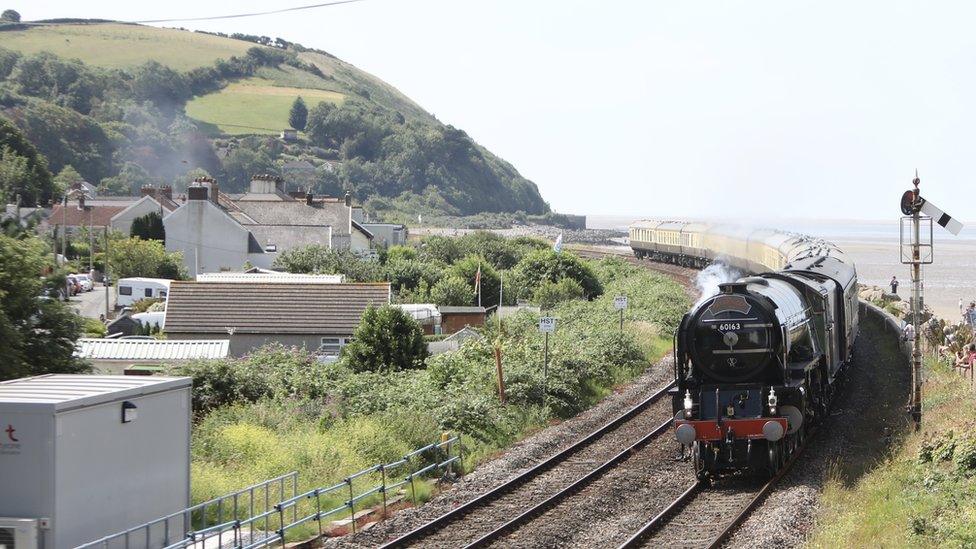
131	290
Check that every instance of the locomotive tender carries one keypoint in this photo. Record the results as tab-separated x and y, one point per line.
757	363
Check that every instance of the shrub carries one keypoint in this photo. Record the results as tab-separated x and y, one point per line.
547	265
548	294
467	268
387	340
452	290
395	253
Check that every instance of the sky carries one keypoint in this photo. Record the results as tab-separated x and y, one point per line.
737	109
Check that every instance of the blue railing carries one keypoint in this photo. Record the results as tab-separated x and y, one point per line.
245	520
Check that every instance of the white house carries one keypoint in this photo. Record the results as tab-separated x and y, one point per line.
210	239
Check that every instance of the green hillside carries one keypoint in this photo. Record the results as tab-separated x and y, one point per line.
118	46
128	105
254	106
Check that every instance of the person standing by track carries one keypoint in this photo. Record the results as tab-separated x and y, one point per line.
894	285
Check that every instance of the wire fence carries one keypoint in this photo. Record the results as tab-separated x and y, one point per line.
272	511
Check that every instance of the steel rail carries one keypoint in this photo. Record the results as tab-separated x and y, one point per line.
578	484
673	509
541	467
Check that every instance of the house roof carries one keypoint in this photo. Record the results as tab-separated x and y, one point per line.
216	307
270	277
144	349
165	206
297	212
444	309
101	216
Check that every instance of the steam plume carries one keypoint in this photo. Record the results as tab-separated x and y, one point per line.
708	279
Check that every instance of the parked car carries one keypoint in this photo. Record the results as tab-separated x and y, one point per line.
86	283
73	285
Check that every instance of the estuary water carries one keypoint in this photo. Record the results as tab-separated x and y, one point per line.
874	247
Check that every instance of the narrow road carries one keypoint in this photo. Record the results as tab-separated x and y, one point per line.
92	304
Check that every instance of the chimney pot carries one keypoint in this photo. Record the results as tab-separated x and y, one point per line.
147	190
167	191
348	198
309	198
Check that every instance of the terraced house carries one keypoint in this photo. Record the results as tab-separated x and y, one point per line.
217	232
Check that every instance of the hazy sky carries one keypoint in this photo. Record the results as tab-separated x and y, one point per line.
733	108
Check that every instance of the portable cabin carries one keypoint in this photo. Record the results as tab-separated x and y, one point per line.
130	290
86	456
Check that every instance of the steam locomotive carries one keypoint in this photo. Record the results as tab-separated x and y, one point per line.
757	363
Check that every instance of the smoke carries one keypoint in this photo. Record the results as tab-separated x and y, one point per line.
708	279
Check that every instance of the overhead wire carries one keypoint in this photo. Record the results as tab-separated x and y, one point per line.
185	19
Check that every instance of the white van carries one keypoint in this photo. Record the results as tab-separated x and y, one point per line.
130	290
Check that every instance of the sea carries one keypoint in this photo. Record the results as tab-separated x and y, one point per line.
874	246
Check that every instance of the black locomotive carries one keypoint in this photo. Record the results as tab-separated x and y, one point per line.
756	364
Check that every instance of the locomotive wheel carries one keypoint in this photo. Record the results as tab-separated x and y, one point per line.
698	460
773	458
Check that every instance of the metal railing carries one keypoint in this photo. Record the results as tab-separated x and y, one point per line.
262	514
203	517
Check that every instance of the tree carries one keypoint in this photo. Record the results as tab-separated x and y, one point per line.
548	294
387	340
546	265
29	177
36	335
318	259
149	227
452	291
242	163
127	182
298	117
466	269
130	257
65	178
10	16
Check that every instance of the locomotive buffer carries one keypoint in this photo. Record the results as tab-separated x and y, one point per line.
917	252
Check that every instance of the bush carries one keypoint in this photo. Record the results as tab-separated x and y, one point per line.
452	291
387	340
466	269
144	304
547	265
318	259
131	257
548	294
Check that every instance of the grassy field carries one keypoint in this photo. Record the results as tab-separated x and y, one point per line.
254	105
925	494
121	46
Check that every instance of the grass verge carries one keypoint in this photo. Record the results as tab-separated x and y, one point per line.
924	495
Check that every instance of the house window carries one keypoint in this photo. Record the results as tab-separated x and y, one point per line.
125	290
332	345
148	292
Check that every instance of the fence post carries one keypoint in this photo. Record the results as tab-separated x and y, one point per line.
446	437
352	506
318	511
413	491
383	488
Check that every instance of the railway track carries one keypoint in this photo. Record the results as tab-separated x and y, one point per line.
495	512
705	516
